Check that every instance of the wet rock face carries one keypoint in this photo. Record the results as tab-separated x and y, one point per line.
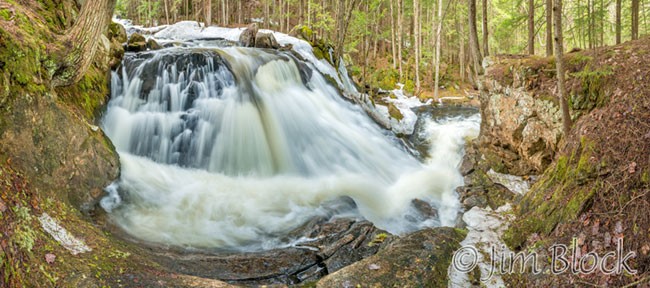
520	129
338	243
137	43
420	259
266	40
153	45
479	190
247	38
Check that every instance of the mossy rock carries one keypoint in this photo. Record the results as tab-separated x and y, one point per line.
559	196
137	43
153	45
419	259
394	112
117	32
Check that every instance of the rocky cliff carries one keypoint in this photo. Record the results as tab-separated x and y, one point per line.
521	127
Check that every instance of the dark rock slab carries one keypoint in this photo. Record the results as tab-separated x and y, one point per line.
337	243
420	259
137	43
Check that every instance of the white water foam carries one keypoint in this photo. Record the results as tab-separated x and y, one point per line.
236	158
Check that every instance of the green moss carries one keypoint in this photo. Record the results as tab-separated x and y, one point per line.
306	32
394	112
24	235
560	196
645	177
384	78
5	14
591	93
89	94
379	238
579	59
321	50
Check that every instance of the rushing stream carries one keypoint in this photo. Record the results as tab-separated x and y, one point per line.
235	147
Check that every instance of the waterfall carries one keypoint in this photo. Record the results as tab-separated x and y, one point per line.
235	147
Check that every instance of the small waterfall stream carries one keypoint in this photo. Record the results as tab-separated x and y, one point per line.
234	147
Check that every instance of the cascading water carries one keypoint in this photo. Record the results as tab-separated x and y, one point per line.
235	147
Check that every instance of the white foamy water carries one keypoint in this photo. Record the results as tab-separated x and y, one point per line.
235	147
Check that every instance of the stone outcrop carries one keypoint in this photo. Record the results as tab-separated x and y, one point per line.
252	37
247	38
420	259
137	43
338	243
521	127
153	45
266	40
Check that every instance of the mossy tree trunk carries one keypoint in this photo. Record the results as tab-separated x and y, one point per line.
80	42
559	63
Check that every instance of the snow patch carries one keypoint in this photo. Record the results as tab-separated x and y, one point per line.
486	227
404	104
516	184
74	245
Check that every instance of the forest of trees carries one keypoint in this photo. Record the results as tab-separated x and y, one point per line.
375	33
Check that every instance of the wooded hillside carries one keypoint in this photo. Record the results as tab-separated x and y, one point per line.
375	33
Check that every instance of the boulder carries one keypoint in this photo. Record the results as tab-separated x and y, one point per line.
117	53
420	259
137	43
303	32
247	38
153	45
425	209
117	31
266	40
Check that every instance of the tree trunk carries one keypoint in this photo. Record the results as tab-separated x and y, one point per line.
591	17
239	13
549	27
618	21
208	13
343	15
635	19
602	23
399	39
267	22
416	32
486	51
438	40
531	27
473	40
166	12
559	63
392	34
80	42
461	53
